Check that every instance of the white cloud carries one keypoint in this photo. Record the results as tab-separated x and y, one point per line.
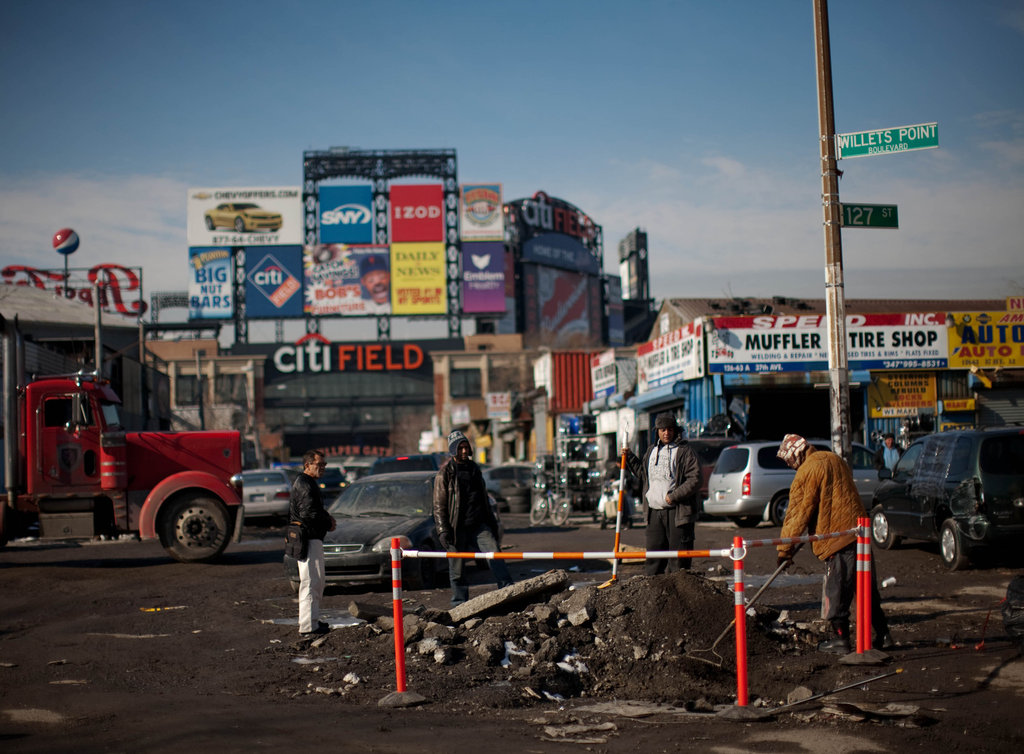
134	221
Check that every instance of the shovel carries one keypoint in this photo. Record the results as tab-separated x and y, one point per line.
695	654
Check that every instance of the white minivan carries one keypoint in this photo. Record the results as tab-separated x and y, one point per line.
750	484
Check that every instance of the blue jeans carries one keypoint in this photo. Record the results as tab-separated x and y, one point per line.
481	540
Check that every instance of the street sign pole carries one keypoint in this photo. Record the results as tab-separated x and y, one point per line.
835	302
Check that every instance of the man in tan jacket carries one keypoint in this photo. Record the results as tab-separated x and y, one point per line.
823	499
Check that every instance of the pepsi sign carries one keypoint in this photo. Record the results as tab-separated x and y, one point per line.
273	282
346	214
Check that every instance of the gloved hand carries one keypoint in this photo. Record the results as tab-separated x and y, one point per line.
784	559
446	541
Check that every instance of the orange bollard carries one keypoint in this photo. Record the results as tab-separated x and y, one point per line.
739	598
396	598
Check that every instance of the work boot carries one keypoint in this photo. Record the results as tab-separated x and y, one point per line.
839	644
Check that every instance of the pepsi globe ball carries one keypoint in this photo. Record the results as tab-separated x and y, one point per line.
65	241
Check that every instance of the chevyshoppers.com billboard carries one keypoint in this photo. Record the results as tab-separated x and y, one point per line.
246	216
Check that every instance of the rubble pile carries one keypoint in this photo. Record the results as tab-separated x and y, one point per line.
629	640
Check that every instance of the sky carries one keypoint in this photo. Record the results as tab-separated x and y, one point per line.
696	121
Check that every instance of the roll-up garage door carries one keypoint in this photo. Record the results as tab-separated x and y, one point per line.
1001	407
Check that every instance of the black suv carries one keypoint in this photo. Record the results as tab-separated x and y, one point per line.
962	489
417	462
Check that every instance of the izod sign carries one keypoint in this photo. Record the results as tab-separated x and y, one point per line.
417	213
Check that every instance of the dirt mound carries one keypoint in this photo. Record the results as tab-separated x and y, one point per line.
628	641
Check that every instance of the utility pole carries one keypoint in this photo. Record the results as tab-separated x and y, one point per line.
835	299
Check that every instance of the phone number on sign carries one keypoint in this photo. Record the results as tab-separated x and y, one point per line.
914	364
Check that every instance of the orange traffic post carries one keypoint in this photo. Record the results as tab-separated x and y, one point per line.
618	513
396	598
739	597
863	585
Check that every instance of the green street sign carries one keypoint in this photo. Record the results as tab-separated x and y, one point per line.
886	140
870	216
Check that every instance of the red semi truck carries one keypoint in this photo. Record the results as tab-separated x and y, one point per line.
71	466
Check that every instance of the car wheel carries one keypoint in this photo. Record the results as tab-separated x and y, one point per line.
777	508
745	522
239	225
882	533
951	546
209	223
195	529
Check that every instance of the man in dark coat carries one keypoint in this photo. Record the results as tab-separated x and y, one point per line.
670	474
306	510
463	515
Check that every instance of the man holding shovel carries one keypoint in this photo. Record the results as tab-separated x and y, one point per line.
824	498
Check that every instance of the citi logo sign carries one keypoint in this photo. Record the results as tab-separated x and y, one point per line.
347	214
274	281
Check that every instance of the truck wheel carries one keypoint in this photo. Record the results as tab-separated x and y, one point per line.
951	546
195	529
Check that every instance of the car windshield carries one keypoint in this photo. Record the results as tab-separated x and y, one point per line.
732	460
389	497
1002	455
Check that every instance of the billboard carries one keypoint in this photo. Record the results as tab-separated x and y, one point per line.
676	355
247	216
480	213
418	278
562	309
896	394
986	339
603	373
347	280
561	251
346	214
273	282
483	277
417	213
209	283
799	343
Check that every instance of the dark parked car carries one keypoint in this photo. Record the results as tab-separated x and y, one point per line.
332	481
372	510
961	489
418	462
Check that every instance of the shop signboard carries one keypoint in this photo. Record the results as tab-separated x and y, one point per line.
499	406
603	373
676	355
986	340
209	283
895	394
799	343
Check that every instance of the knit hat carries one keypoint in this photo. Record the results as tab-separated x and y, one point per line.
455	439
666	420
793	450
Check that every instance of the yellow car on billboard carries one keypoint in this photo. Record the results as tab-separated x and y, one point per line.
243	217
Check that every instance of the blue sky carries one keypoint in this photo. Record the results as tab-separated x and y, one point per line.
694	120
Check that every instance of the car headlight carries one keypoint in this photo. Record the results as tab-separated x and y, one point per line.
384	545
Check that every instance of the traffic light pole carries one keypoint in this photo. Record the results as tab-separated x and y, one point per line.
835	301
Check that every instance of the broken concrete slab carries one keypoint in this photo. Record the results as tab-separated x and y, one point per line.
515	594
368	612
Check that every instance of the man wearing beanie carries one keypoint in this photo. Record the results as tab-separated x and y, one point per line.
463	516
824	497
670	473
